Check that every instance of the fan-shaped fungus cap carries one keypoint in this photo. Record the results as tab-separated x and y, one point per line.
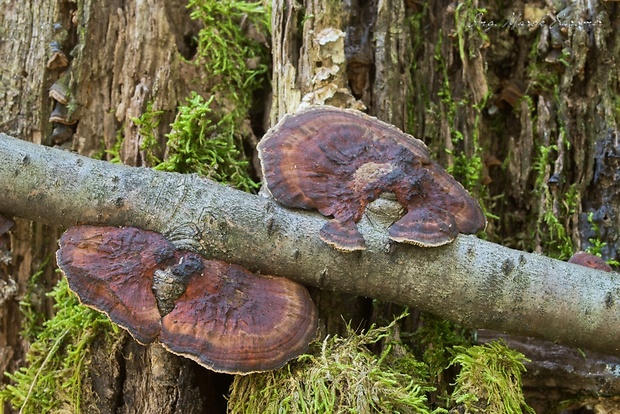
337	161
232	321
111	270
590	260
227	319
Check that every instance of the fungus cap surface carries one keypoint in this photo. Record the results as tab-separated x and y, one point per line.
227	319
111	270
233	321
590	260
337	161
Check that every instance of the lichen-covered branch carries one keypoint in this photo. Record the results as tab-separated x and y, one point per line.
473	282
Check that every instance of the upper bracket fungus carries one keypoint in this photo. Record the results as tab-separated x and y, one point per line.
337	161
227	319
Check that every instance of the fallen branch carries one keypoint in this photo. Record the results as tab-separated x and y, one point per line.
470	281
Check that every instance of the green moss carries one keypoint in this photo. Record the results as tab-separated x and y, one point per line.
550	230
207	134
436	340
489	380
225	50
201	143
340	375
115	152
32	320
147	124
57	361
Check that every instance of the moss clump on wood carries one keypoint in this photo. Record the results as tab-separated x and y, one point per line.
57	361
341	375
489	380
201	143
208	132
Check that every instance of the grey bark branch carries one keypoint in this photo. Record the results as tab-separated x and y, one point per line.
471	281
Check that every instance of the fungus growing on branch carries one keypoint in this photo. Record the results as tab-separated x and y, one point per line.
590	260
337	161
111	270
230	320
226	319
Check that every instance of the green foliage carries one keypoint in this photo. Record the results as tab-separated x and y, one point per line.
438	338
199	143
489	380
57	360
225	49
32	320
147	124
340	376
115	151
206	136
550	226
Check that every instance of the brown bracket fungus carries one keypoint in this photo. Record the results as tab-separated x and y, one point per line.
226	319
111	270
233	321
590	260
337	161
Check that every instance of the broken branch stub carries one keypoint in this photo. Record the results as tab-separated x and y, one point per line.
227	319
337	161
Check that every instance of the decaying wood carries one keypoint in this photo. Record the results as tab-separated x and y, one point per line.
476	283
559	373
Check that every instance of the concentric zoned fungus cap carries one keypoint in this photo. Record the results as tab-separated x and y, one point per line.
590	260
111	270
232	321
227	319
338	161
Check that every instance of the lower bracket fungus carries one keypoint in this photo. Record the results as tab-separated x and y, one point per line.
337	161
227	319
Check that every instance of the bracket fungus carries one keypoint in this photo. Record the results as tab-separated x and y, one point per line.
337	161
590	260
226	319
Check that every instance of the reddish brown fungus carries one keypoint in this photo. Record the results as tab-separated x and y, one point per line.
111	269
337	161
590	260
230	320
227	319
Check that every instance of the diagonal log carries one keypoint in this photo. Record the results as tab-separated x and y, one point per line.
470	281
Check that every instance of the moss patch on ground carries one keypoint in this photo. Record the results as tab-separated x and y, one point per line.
52	379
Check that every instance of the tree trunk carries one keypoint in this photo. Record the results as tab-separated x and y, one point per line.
526	117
